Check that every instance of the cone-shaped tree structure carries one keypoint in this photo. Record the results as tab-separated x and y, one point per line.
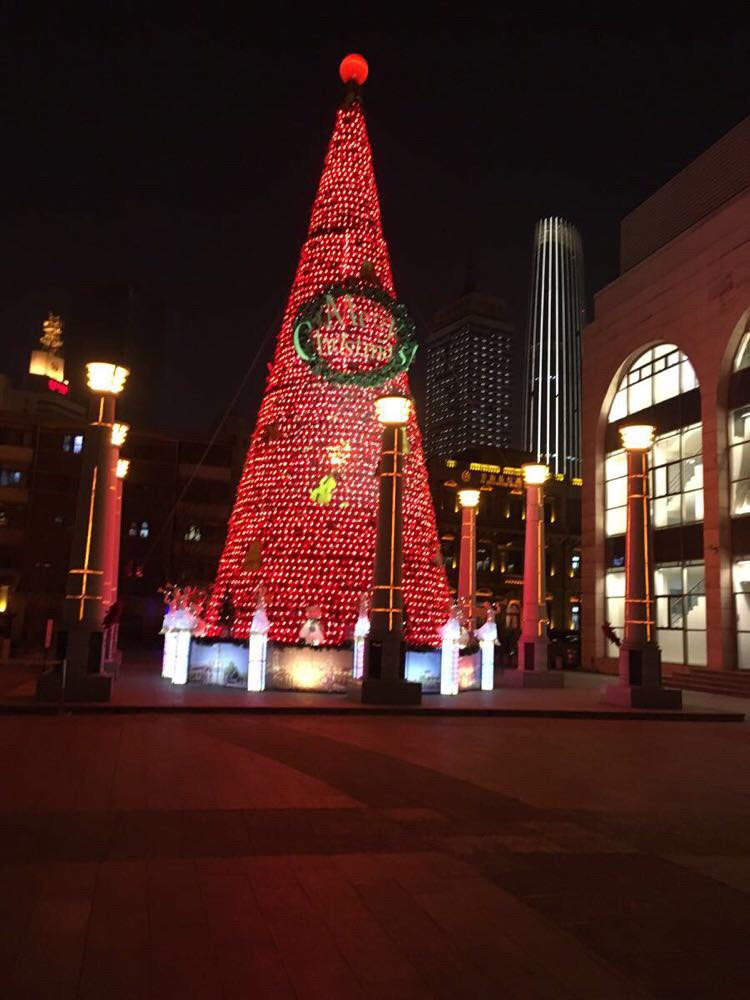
303	524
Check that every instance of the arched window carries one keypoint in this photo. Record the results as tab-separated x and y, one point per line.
657	376
659	373
742	357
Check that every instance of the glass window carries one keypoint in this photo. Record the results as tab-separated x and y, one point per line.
668	579
615	492
688	379
742	358
667	384
619	408
681	612
615	522
658	374
741	582
73	443
739	425
739	460
692	441
692	507
666	449
615	465
666	511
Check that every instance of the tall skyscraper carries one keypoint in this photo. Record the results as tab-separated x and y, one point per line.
552	419
468	381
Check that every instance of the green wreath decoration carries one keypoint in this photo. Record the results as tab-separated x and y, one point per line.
307	320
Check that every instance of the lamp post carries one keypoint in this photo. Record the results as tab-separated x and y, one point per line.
467	563
112	656
121	466
383	679
640	657
532	645
81	636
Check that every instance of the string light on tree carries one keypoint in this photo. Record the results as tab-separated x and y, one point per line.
304	519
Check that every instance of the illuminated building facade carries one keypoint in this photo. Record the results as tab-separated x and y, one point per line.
670	346
469	377
173	521
500	533
552	418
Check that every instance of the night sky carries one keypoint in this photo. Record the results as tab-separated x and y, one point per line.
183	154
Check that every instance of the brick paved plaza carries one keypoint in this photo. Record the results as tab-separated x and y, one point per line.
213	856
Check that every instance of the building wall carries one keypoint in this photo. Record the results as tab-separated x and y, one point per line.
173	520
693	292
469	377
711	180
552	404
500	529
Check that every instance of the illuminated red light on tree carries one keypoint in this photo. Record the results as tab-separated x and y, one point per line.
354	67
304	518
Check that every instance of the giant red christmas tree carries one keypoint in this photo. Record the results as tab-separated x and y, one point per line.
303	524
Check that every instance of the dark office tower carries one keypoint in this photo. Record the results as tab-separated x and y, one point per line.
552	419
469	377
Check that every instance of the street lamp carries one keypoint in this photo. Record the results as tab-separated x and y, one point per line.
119	433
467	563
89	583
640	657
104	378
383	680
532	645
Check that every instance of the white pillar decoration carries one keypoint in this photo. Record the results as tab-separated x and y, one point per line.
361	631
487	635
178	632
450	633
258	648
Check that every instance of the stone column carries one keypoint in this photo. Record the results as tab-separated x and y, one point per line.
384	660
640	657
532	668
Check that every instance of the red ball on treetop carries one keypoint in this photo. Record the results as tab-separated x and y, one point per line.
354	67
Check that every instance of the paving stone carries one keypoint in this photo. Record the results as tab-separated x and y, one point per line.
232	857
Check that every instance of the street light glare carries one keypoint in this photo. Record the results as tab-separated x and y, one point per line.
393	410
637	437
535	474
468	498
101	376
